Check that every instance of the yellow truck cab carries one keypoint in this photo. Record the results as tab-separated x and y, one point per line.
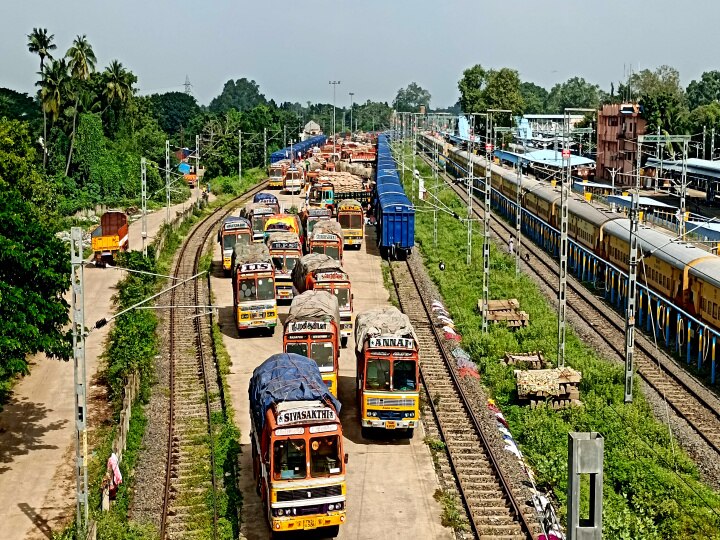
234	230
254	300
351	217
387	371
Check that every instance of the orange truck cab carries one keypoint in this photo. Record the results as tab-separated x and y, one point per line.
317	271
299	466
276	174
386	349
351	217
310	216
258	214
110	237
233	230
321	194
327	238
254	300
312	329
285	249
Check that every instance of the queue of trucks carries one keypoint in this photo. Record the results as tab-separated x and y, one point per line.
297	437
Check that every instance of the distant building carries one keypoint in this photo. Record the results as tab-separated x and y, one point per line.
618	129
311	129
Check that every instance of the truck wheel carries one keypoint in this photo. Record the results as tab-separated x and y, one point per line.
331	532
366	432
271	331
409	432
343	342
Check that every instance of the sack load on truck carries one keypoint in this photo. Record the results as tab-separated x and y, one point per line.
297	446
312	264
386	321
250	254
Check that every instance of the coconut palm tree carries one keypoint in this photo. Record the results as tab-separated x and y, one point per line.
54	87
40	43
81	63
117	86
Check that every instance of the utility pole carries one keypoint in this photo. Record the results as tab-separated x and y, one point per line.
284	136
78	338
435	173
143	202
239	154
167	180
632	281
704	155
518	216
414	150
486	229
712	144
265	146
334	83
197	160
471	178
683	191
352	104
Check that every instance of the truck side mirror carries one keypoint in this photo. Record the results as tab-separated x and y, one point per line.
346	459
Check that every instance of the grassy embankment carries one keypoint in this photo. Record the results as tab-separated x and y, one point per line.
132	346
652	489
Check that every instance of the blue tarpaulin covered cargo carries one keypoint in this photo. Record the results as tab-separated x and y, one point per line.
286	377
301	147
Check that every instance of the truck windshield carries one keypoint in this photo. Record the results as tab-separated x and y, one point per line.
325	455
377	376
403	375
343	298
258	223
289	459
275	173
230	240
290	263
350	221
332	251
322	353
256	289
297	348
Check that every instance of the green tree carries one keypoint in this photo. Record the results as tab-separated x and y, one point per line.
704	91
705	116
81	63
174	110
534	97
40	43
663	80
575	92
17	106
664	111
472	89
34	268
242	95
117	88
410	99
502	91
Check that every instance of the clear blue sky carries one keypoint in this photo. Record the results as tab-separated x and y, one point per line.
292	49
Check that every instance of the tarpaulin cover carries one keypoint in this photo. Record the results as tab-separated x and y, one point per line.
253	253
311	263
385	321
259	208
184	168
286	377
265	197
327	226
314	306
282	236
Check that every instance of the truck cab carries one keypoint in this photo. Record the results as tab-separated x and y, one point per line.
387	371
322	194
254	300
327	238
234	230
351	217
276	174
294	180
297	446
312	329
285	249
258	214
310	216
110	237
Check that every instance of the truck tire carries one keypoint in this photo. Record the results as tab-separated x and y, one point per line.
331	532
344	342
366	432
271	331
409	432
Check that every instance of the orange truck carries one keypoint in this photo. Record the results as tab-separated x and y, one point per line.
296	439
285	249
386	349
312	329
276	174
317	271
110	237
327	238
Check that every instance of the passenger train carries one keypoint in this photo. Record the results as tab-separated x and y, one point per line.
684	278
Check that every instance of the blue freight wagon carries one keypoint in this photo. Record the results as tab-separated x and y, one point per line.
394	212
302	146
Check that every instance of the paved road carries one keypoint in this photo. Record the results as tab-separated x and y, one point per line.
37	448
390	483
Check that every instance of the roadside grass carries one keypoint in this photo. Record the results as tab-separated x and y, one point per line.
652	489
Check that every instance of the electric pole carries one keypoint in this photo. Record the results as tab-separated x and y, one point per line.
471	177
351	112
78	338
143	202
265	146
334	83
414	149
197	160
284	136
683	191
712	144
239	154
486	226
167	180
518	216
632	281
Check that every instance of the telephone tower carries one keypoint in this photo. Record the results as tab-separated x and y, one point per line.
188	85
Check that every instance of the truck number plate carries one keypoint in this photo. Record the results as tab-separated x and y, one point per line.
309	524
390	425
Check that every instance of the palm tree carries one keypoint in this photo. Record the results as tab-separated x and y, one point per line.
81	63
117	85
40	43
54	88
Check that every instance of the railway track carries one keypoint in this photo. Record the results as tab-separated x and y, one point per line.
488	499
684	394
194	397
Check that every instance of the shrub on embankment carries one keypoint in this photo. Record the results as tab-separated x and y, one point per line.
652	489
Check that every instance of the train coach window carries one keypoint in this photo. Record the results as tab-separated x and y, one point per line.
715	310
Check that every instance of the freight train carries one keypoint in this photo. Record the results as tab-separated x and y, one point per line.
679	281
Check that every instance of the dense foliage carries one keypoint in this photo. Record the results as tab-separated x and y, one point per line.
411	98
652	490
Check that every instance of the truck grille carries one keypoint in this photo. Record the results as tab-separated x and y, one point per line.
390	402
309	493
